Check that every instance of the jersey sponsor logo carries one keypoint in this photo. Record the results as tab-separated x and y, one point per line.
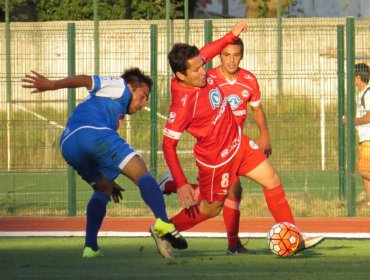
239	112
171	117
221	111
245	93
109	78
249	77
253	145
232	147
234	101
215	98
222	192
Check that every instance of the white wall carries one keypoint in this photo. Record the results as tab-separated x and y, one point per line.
330	8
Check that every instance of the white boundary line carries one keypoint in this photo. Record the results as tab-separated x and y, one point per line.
340	235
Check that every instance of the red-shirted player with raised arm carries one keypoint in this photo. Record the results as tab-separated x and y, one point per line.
222	151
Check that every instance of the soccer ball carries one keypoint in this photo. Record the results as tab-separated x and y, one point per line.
283	239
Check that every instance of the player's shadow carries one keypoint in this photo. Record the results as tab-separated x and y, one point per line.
311	253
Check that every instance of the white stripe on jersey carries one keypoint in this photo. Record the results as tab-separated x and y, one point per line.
82	127
172	134
255	103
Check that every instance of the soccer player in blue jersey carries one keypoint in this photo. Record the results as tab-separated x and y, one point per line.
91	145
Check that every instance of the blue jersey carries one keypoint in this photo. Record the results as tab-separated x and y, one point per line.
105	106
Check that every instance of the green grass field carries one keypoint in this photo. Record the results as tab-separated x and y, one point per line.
137	258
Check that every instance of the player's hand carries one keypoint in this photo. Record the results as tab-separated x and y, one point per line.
265	145
116	193
186	196
38	82
239	28
192	211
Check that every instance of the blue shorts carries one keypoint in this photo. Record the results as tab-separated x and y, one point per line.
94	151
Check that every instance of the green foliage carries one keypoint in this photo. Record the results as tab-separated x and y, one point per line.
55	10
156	9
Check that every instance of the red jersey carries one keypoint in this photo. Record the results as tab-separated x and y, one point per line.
243	90
206	115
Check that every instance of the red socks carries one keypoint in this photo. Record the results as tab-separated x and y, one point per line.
231	216
188	218
278	204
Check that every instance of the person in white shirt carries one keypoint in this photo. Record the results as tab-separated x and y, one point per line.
362	122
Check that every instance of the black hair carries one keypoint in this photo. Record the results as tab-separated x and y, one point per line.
179	55
239	42
362	70
135	77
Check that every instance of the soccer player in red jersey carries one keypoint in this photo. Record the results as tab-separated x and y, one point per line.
222	151
241	88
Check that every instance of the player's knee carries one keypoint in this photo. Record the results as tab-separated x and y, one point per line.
235	193
275	179
210	210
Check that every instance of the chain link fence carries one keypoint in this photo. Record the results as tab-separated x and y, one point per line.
298	81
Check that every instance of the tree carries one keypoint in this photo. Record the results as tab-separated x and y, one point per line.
156	9
52	10
19	10
265	8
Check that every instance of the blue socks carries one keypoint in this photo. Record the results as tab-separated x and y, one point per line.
97	207
153	196
95	213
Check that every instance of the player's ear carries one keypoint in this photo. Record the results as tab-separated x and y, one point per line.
131	89
180	76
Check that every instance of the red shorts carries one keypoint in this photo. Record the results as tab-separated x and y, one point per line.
215	182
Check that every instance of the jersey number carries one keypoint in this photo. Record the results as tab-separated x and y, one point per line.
225	180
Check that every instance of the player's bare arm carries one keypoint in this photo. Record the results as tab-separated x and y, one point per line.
264	139
358	121
239	28
40	83
363	120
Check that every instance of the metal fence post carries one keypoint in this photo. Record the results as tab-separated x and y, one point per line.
186	15
208	30
341	112
96	39
351	106
71	105
153	99
279	53
8	83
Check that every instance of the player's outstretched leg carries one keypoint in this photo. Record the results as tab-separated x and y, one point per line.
95	214
164	247
168	232
310	242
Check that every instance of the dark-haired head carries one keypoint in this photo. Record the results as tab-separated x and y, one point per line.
179	55
135	77
140	86
363	71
